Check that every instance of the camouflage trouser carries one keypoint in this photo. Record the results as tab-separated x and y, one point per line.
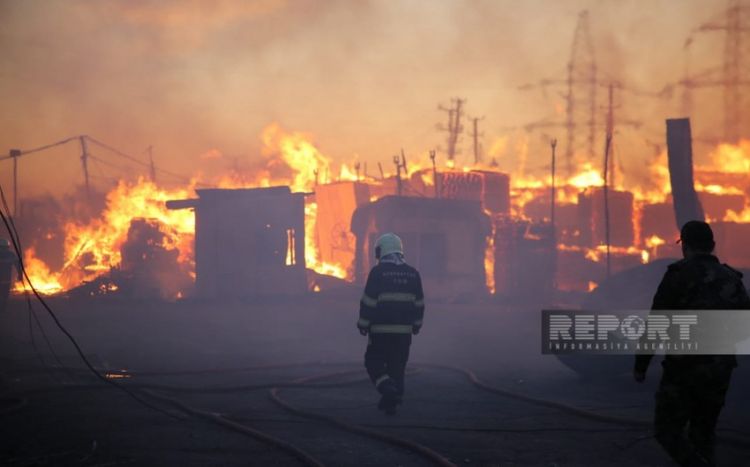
690	397
4	293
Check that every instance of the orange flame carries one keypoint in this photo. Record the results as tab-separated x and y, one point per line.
291	158
94	248
732	158
489	262
44	280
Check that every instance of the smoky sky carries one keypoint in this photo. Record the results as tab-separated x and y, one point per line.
363	77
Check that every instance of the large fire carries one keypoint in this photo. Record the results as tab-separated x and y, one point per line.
94	248
290	158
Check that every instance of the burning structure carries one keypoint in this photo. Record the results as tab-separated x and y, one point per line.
297	219
444	238
336	205
248	242
524	258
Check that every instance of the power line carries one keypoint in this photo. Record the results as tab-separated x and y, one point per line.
734	68
16	243
109	164
117	151
475	135
14	154
149	165
22	152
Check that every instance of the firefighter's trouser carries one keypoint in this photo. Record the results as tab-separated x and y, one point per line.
693	398
385	360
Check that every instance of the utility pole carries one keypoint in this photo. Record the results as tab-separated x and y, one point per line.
581	90
454	127
475	137
397	161
732	74
403	163
435	180
608	169
151	167
610	130
15	154
85	164
580	93
553	193
607	147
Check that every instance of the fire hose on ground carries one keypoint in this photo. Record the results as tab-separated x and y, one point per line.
424	451
313	382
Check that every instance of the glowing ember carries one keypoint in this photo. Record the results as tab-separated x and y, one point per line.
489	262
42	278
587	177
743	217
718	189
732	158
599	253
654	241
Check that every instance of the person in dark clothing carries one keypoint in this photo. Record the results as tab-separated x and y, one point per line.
390	311
8	261
693	387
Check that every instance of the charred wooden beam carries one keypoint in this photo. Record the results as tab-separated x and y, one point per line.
687	206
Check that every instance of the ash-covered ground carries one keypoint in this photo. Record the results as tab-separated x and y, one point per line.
51	416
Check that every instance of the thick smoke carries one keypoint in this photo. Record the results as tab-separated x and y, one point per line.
364	77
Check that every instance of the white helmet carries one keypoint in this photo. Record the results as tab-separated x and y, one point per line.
387	244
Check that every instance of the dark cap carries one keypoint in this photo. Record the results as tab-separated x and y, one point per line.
697	234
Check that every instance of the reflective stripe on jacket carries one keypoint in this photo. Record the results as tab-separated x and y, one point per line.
393	300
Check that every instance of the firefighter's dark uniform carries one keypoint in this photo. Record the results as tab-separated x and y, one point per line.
692	388
8	261
391	309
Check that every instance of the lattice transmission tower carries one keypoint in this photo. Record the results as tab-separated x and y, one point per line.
731	75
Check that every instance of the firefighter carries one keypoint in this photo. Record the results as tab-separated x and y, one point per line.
390	311
693	387
8	261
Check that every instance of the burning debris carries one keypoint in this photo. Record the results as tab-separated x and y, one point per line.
248	242
73	247
446	239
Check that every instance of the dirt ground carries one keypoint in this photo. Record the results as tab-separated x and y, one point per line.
56	417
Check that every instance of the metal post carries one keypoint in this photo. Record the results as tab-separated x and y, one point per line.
85	164
553	193
553	200
606	201
397	161
152	168
15	154
434	174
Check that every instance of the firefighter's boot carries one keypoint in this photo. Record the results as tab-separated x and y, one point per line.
389	397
